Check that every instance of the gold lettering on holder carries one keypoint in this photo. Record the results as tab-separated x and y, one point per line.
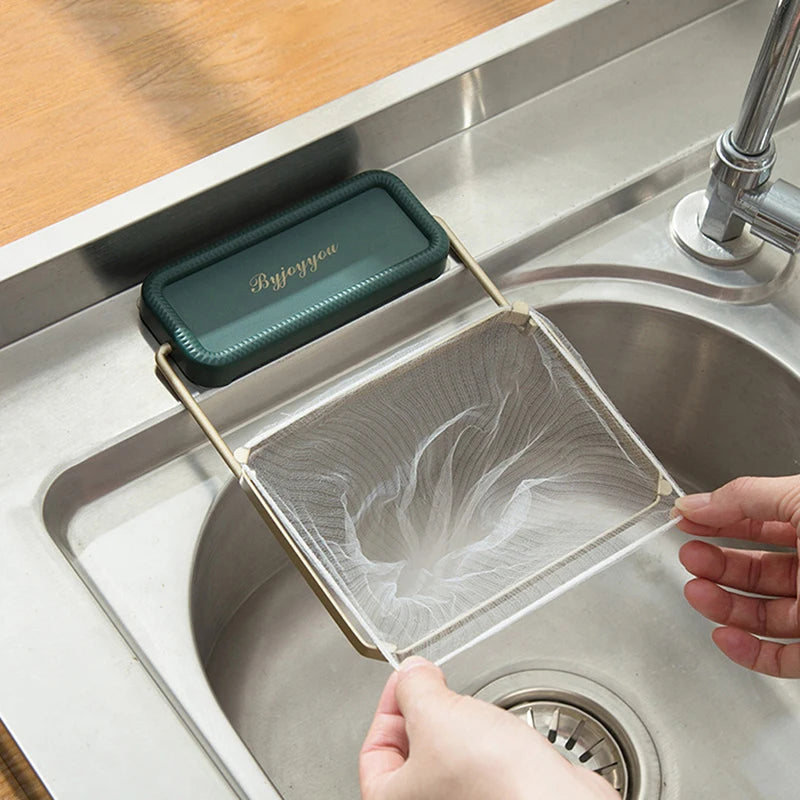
301	269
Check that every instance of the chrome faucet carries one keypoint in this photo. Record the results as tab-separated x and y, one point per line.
711	225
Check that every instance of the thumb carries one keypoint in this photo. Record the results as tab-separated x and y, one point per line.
420	688
764	499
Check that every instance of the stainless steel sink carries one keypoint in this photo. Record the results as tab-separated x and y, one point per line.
711	405
268	685
162	647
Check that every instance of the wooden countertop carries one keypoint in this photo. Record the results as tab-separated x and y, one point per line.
17	780
101	97
105	96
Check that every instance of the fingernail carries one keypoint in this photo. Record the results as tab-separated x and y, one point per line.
412	663
692	502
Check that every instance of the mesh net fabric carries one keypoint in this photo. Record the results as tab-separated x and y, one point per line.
463	487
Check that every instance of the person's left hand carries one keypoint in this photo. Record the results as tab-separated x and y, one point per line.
763	510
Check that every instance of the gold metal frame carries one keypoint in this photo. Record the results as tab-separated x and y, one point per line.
268	513
520	315
262	504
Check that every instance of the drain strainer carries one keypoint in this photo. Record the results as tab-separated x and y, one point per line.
578	736
588	724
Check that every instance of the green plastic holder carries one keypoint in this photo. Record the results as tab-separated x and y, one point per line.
270	288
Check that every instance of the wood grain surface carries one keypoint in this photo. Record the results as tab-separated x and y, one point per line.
100	96
17	779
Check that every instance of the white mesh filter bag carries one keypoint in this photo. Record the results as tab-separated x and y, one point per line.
462	487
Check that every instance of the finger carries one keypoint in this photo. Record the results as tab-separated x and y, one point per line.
747	570
745	498
421	687
751	530
387	702
385	747
771	658
776	618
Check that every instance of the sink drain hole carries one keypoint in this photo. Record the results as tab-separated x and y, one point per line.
586	723
579	737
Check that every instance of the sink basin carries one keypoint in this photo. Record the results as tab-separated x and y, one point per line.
711	405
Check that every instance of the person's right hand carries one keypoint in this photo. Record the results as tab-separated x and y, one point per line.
429	743
763	510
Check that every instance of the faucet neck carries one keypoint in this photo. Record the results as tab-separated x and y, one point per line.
769	83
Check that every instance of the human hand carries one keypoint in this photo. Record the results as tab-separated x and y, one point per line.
429	743
758	510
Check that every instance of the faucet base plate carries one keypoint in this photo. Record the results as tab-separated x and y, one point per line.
685	228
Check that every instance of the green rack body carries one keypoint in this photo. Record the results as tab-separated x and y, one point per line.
276	285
